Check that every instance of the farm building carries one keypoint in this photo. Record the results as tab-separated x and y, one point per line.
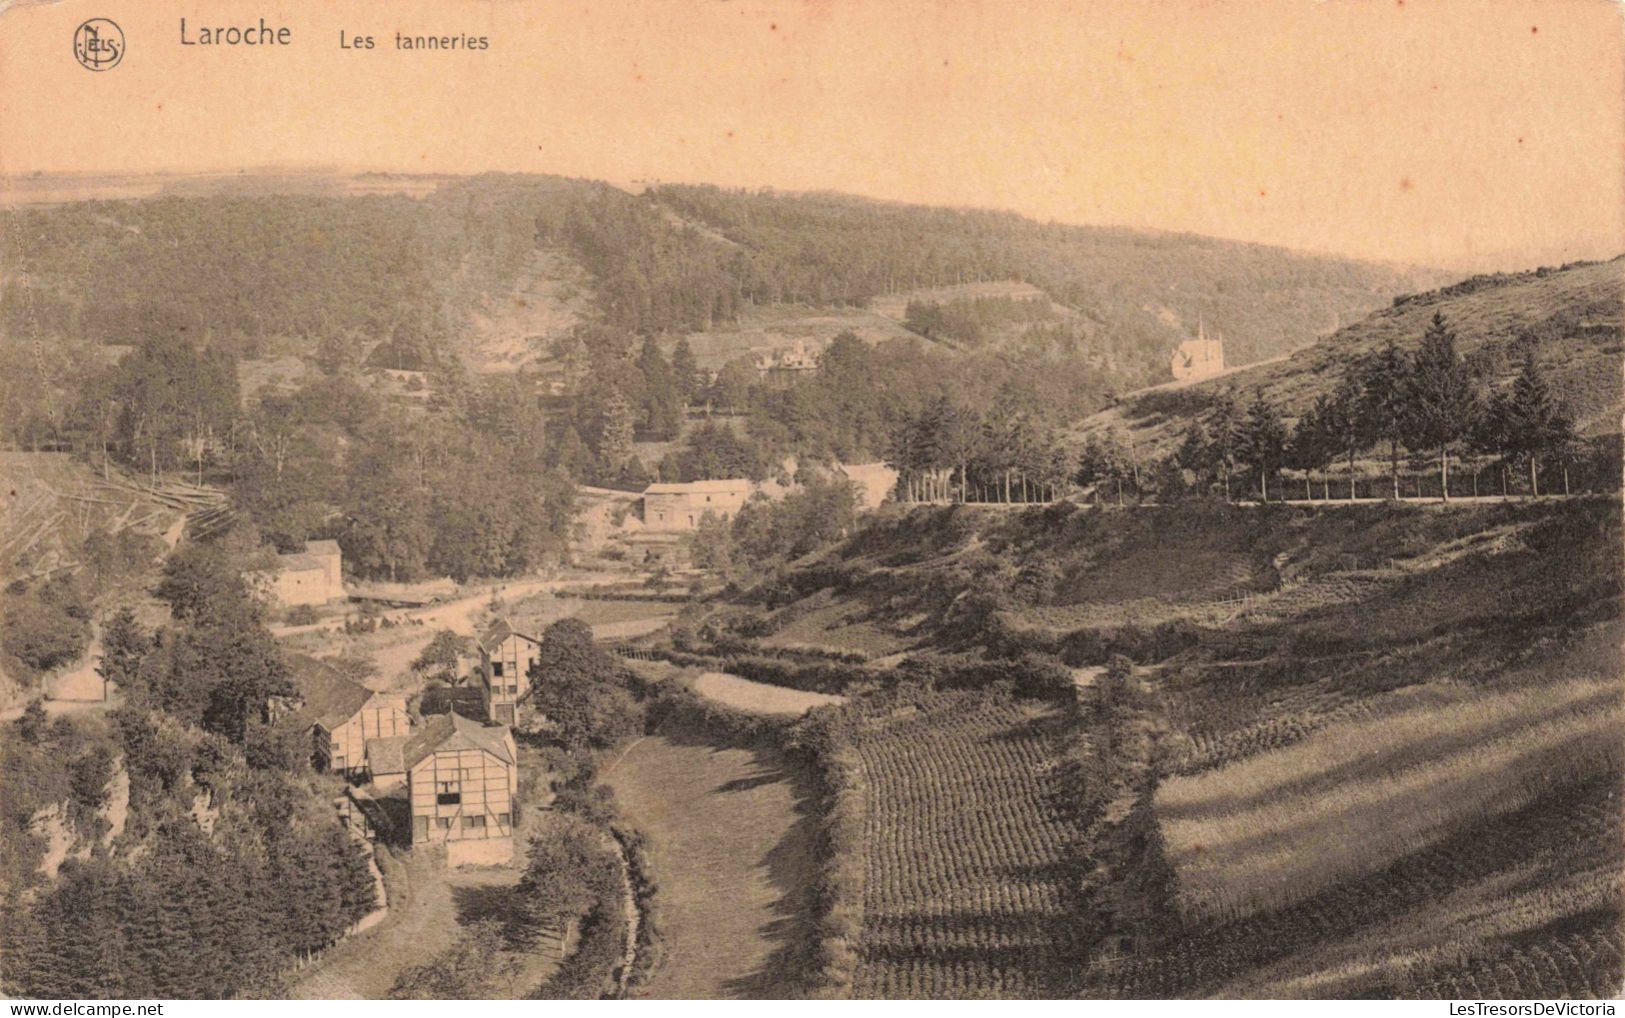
462	782
345	717
680	506
313	576
506	658
1198	358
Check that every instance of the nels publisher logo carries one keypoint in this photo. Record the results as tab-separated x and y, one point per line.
99	44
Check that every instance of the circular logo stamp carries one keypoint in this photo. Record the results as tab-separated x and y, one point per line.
98	44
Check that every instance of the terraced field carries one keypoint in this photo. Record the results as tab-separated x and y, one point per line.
1358	796
1522	905
963	892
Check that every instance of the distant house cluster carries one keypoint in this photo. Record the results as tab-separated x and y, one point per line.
314	576
1202	357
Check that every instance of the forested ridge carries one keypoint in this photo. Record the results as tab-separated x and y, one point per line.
373	268
130	327
1137	289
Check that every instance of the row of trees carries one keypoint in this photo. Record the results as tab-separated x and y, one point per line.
1001	456
1427	405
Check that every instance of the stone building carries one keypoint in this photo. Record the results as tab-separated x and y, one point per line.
314	576
680	506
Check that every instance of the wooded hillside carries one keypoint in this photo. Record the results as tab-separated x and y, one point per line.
1569	318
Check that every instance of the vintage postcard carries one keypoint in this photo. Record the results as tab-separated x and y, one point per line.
873	500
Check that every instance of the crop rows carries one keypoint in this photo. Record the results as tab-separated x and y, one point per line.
963	891
1574	831
1579	964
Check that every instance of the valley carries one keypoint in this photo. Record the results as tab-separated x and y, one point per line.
793	596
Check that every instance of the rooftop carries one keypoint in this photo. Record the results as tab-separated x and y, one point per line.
464	700
388	754
446	732
330	699
500	630
699	487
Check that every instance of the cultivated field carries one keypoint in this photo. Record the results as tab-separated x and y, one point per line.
1354	798
1525	904
964	877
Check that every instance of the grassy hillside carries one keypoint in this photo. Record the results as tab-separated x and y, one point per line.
1376	719
1571	317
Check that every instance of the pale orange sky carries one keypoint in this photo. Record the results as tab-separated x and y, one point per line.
1462	133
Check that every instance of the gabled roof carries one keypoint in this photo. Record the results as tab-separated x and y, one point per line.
464	700
322	548
500	630
698	487
329	698
388	754
447	732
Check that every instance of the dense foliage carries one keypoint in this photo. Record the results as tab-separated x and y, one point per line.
228	869
583	695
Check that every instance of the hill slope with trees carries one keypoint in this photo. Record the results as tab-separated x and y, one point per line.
1569	318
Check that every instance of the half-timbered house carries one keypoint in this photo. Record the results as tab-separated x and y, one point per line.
344	716
462	780
506	659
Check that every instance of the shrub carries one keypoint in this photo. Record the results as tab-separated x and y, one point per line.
44	627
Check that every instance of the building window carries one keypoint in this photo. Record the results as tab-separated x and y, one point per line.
471	823
444	823
496	668
338	763
450	794
502	819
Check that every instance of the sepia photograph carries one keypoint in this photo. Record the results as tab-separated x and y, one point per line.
860	500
